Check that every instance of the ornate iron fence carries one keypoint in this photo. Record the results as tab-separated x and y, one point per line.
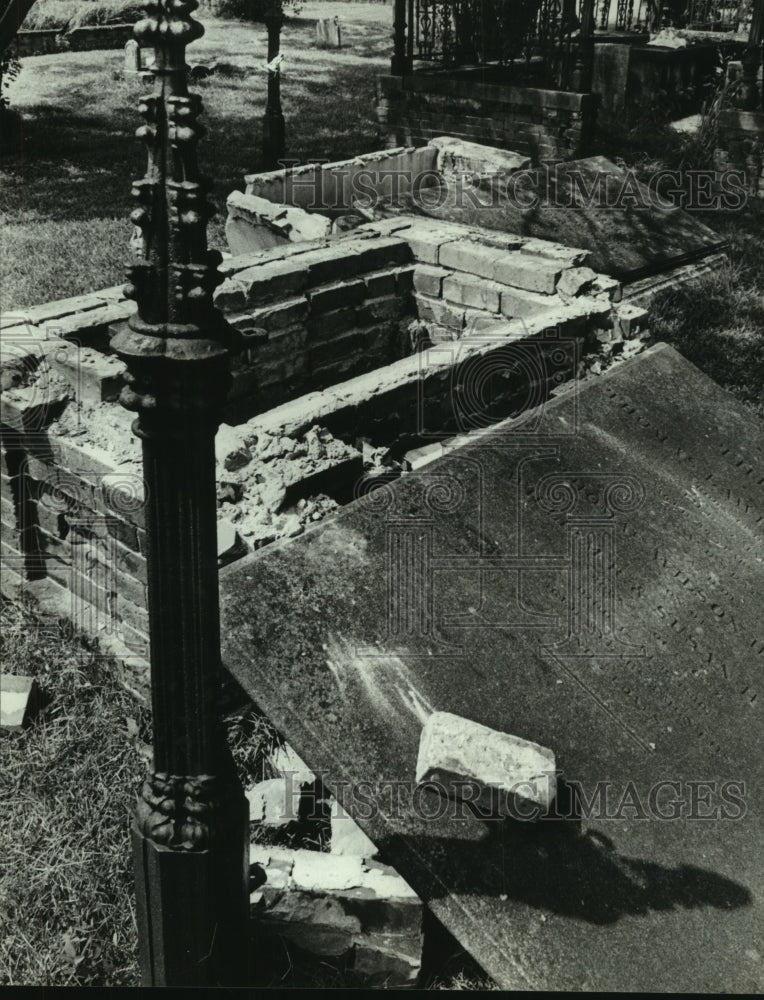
541	36
717	15
625	15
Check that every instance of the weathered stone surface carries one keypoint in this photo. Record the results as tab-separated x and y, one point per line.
273	802
607	899
622	228
470	290
132	57
457	155
454	751
347	837
16	695
341	908
229	543
255	223
317	872
576	281
231	448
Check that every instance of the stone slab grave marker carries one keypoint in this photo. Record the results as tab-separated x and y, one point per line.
132	56
328	33
588	579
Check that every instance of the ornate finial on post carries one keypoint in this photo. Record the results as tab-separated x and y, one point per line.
190	833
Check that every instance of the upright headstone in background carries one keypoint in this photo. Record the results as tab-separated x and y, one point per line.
611	70
132	56
328	33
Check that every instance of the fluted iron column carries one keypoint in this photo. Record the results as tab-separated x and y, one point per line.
190	829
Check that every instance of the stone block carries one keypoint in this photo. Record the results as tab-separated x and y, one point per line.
470	290
522	304
272	281
273	802
17	698
534	275
565	256
382	252
231	448
339	907
384	963
330	325
504	769
419	457
255	223
428	280
426	242
576	281
442	313
464	255
629	320
94	377
315	871
333	263
336	296
458	156
380	283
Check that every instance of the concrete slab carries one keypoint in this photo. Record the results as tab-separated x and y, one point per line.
597	590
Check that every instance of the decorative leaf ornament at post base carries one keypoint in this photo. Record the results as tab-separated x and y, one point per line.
190	831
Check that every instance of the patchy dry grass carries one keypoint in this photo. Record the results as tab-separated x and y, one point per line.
66	784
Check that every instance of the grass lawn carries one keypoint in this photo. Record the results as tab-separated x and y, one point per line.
66	896
66	907
64	198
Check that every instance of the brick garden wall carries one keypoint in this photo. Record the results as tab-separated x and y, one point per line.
542	124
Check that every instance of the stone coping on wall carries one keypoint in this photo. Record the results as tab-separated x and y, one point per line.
441	81
86	38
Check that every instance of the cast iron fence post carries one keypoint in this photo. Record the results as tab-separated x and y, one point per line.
400	63
749	98
190	829
584	64
274	129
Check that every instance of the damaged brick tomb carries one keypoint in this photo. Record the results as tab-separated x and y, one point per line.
422	484
366	358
